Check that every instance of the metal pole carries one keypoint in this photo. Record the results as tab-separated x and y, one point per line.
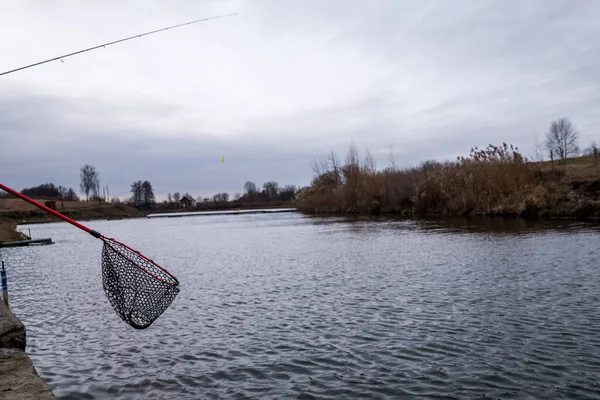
4	285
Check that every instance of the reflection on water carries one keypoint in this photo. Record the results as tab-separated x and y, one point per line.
287	306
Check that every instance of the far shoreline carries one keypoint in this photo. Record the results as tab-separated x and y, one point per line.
9	232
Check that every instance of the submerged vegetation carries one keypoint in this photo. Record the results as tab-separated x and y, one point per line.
495	181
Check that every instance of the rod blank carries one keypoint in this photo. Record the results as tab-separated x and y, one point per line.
114	42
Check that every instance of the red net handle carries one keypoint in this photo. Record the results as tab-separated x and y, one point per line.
51	211
83	227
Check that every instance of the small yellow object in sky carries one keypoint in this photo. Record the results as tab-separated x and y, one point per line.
223	159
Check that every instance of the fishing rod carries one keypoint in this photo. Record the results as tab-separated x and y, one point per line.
117	41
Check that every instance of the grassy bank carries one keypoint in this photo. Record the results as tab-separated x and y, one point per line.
495	181
16	211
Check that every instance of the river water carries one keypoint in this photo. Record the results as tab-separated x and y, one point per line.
287	306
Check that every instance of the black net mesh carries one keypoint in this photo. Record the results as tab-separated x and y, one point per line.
138	289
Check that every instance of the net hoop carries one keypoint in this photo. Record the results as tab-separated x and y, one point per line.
138	289
107	241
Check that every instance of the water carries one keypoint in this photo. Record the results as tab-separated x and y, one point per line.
285	306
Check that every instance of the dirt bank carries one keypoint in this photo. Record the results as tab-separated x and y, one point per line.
15	211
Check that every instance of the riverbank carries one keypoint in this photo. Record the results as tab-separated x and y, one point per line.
496	181
15	212
20	379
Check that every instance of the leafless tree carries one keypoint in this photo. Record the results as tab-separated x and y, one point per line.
589	151
333	162
369	164
250	188
221	197
271	188
561	138
392	159
320	165
539	150
90	180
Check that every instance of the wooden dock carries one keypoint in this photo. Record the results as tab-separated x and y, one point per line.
20	243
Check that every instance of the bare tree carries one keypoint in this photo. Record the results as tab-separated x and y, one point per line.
333	160
392	159
539	150
588	151
90	180
71	195
561	138
369	162
320	165
271	189
221	197
250	188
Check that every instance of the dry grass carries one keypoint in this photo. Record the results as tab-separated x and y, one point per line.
20	205
496	180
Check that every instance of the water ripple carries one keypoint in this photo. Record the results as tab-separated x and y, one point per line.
310	308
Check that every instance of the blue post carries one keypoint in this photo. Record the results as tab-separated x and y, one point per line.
4	285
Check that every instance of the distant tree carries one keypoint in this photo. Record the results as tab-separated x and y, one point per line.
589	151
539	150
62	192
148	199
561	138
137	194
90	180
206	200
71	195
44	191
221	198
176	197
287	193
169	198
237	196
115	200
250	188
271	189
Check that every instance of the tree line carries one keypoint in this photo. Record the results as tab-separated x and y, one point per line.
48	191
271	192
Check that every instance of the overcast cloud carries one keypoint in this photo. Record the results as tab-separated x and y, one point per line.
282	82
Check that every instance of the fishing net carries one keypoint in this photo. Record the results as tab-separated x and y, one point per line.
137	288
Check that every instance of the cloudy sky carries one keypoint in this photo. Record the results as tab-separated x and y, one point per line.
282	82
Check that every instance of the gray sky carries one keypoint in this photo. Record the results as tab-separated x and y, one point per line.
283	82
